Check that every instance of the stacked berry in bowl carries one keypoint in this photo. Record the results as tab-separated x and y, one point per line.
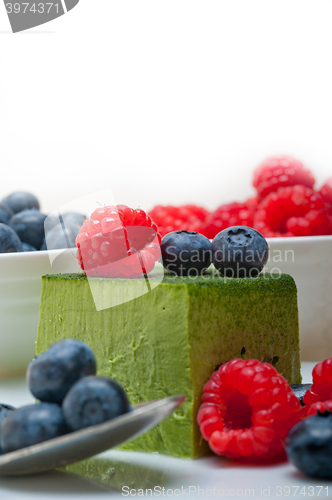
23	228
286	204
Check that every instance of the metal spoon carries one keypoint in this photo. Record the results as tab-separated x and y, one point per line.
85	443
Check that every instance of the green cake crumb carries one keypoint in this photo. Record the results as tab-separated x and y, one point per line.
170	340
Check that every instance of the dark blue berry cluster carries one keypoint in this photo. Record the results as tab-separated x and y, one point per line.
236	252
70	396
23	228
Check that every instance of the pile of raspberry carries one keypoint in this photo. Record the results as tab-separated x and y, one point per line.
230	214
248	408
286	204
186	217
118	242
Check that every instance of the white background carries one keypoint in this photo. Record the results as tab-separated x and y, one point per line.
164	102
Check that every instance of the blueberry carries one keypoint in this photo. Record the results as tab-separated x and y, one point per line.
30	425
74	217
299	390
9	241
93	400
68	218
50	222
51	375
186	253
61	236
28	248
29	225
21	200
239	252
309	445
5	214
4	411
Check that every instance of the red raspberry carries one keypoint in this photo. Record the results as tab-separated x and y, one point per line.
292	211
320	407
321	389
170	218
118	242
231	214
252	203
247	410
281	171
326	193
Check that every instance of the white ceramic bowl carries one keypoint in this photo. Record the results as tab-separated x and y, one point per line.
20	285
308	260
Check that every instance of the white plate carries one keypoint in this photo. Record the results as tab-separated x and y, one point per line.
113	470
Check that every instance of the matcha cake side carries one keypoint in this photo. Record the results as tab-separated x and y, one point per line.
170	340
259	322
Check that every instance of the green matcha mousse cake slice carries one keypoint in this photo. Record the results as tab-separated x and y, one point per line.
170	340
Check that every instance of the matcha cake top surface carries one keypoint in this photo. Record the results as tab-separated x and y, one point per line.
265	282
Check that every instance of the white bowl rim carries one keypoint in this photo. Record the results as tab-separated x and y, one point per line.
300	239
285	241
34	255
